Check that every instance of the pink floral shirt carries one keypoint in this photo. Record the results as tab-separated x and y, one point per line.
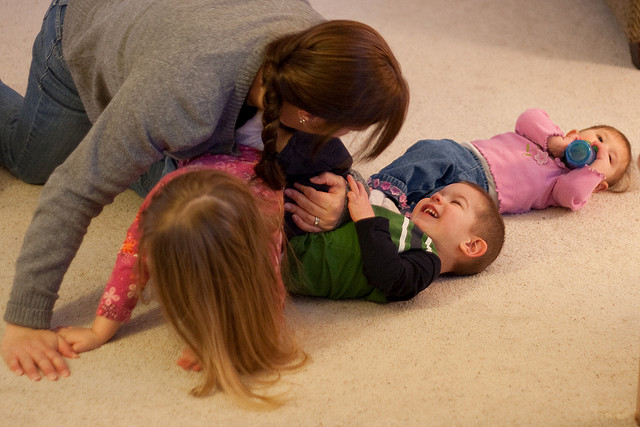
123	288
526	176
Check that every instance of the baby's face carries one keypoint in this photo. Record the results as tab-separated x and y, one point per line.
618	155
448	215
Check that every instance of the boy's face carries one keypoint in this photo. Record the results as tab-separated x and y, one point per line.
618	156
448	215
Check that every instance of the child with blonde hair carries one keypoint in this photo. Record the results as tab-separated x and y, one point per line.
210	242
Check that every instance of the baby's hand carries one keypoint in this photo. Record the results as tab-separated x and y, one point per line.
81	339
189	361
602	163
556	144
359	206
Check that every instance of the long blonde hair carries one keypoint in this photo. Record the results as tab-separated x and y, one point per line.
209	250
342	71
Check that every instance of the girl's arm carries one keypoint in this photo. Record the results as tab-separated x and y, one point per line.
574	189
86	339
118	300
535	125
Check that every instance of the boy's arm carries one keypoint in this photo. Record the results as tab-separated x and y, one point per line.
399	276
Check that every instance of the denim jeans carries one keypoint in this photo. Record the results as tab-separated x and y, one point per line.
39	131
425	168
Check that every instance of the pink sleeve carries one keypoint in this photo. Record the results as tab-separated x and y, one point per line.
123	287
572	190
535	125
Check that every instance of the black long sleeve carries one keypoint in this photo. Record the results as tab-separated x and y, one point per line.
400	276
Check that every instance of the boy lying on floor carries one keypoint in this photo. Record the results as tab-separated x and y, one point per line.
384	256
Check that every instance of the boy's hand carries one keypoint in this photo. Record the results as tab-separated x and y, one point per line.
359	206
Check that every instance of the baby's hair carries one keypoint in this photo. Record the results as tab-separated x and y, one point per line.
489	226
618	184
210	252
341	71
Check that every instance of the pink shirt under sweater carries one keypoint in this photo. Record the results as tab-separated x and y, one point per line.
527	176
123	288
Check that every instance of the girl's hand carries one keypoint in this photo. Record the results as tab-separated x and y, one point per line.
556	144
602	163
359	206
87	339
312	204
81	339
188	360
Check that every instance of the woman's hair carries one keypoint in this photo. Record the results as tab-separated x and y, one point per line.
210	251
341	71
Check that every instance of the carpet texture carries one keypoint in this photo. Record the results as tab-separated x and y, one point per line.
548	335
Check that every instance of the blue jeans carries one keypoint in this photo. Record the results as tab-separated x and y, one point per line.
39	131
425	168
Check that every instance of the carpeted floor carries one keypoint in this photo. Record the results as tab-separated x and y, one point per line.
548	335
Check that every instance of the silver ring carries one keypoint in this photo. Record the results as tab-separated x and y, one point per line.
316	222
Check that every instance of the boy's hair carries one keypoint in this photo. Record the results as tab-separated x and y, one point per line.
210	250
342	71
489	226
618	184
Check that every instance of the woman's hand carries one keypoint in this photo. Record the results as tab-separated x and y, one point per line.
29	351
317	211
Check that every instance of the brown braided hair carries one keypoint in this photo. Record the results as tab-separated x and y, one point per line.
341	71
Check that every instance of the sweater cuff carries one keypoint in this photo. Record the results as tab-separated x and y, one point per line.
29	310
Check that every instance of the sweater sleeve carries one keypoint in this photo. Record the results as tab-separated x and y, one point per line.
535	125
120	146
399	276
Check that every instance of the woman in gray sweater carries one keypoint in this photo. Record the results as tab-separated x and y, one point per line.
120	90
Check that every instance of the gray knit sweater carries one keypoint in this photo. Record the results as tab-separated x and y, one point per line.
156	77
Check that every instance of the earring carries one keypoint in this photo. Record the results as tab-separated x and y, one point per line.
303	121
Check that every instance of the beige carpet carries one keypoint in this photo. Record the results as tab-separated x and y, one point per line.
549	335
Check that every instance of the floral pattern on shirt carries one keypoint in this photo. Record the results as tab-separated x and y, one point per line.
125	287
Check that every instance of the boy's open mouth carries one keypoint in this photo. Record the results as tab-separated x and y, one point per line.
431	212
